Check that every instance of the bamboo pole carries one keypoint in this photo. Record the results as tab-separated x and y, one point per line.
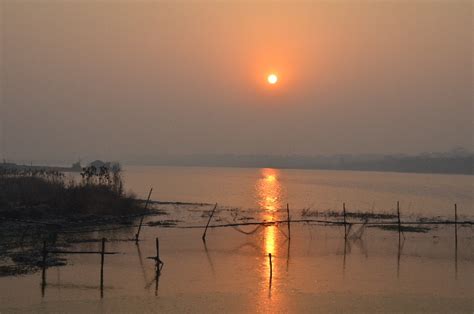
344	211
157	281
102	255
456	239
157	249
456	223
45	252
43	275
271	266
456	214
137	235
398	215
159	263
210	217
288	215
344	215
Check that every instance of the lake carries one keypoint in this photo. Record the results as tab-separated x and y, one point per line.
319	269
419	194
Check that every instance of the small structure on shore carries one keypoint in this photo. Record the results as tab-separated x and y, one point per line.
98	164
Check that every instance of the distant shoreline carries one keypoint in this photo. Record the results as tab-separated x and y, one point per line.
290	168
417	165
440	163
47	168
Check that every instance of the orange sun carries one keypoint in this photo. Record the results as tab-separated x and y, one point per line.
272	78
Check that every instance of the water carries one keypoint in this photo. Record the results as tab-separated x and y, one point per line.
318	270
419	194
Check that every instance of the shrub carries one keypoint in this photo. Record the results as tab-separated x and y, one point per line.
100	192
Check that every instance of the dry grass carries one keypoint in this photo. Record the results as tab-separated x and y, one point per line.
36	194
362	215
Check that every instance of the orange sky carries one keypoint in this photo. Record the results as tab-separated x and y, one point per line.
190	77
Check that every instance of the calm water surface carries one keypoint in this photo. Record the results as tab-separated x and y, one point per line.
419	194
318	270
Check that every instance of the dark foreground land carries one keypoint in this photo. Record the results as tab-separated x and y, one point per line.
39	193
36	204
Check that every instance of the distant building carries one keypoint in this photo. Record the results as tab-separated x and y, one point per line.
99	164
107	164
76	166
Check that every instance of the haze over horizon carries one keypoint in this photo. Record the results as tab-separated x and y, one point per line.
114	80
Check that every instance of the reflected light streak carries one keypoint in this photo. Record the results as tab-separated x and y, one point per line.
269	192
269	195
270	240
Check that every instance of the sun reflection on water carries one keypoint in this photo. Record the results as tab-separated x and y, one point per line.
270	240
269	196
269	192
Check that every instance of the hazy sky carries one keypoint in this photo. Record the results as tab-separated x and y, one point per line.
117	79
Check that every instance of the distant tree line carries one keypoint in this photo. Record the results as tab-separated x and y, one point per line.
449	163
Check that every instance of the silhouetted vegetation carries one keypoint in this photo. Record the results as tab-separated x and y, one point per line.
395	228
306	212
35	193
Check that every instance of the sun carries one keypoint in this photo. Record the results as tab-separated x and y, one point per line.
272	78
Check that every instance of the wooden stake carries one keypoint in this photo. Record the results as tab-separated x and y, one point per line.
271	265
288	215
137	235
102	255
398	214
345	223
43	275
456	241
210	217
456	231
157	249
157	280
456	214
344	211
44	256
159	263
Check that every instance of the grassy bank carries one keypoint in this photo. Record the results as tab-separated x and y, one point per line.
40	193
